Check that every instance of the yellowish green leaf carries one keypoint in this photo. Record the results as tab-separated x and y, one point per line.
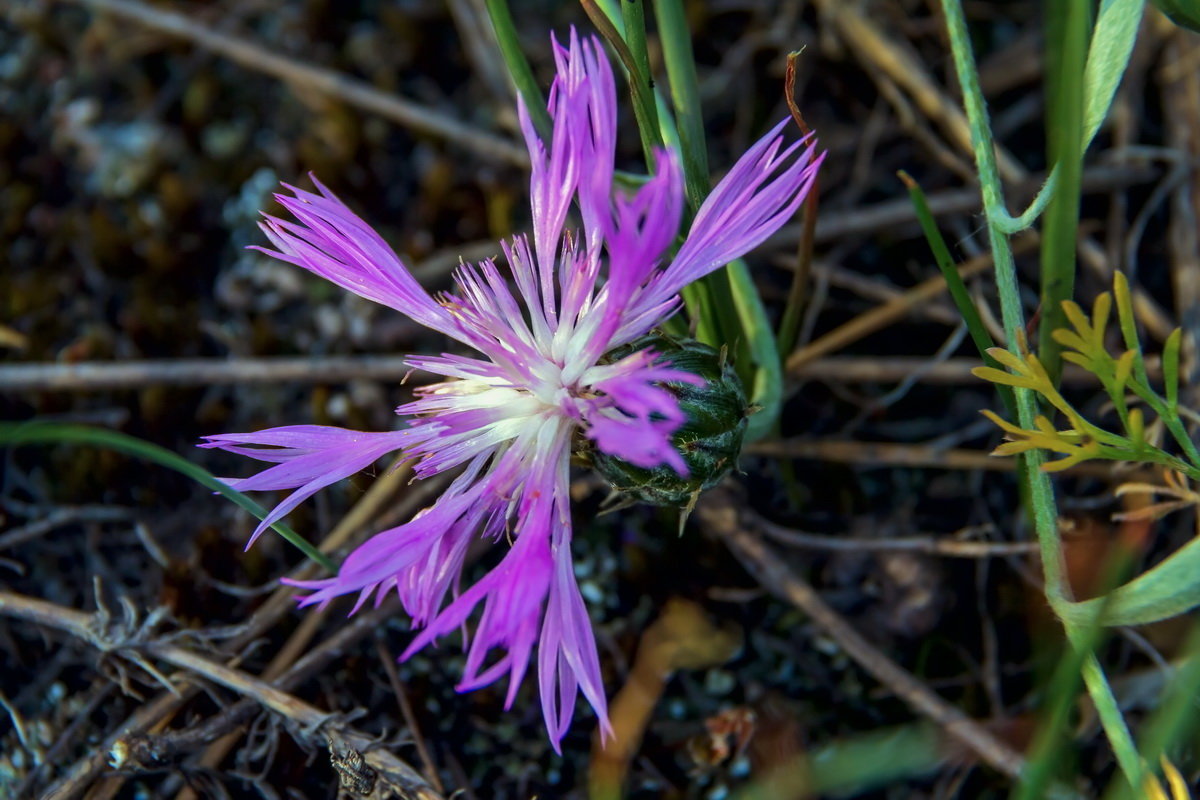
1124	368
1002	423
1008	359
994	375
1078	318
1137	426
1170	367
1013	448
1100	312
1077	358
1069	338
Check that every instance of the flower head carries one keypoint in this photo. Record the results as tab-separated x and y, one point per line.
507	416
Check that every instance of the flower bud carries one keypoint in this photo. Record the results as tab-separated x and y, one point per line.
710	440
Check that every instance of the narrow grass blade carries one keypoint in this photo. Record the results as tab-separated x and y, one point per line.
725	303
14	434
1170	588
1108	55
1068	25
518	66
954	282
641	90
766	386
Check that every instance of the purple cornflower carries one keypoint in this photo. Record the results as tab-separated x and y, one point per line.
507	418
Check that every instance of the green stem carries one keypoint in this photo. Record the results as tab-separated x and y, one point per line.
1112	720
633	16
954	283
1040	494
685	96
714	295
1067	28
637	72
518	67
1009	224
13	434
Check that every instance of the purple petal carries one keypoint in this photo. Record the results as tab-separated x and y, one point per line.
333	242
567	657
754	200
310	457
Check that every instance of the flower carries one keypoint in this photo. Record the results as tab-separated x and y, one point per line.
507	417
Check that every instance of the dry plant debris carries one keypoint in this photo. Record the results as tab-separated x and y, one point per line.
138	143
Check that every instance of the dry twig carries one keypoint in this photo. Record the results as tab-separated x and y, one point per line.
932	545
308	719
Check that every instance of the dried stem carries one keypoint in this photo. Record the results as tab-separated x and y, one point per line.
308	719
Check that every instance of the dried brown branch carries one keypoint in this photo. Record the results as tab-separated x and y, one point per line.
937	546
104	375
872	218
308	719
890	454
83	773
101	375
893	369
406	710
883	55
888	313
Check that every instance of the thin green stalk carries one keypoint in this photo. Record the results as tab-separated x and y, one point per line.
637	72
1067	28
518	67
1111	718
954	283
715	293
1009	224
13	434
685	96
1040	493
633	17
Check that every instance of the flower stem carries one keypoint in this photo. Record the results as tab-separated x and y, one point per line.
1039	493
1067	28
518	67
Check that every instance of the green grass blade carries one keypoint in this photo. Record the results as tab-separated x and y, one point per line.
1067	28
1170	588
725	304
518	67
14	434
1112	45
633	18
766	387
954	282
641	89
685	96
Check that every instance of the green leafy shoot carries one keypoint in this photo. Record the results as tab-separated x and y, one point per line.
1124	379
